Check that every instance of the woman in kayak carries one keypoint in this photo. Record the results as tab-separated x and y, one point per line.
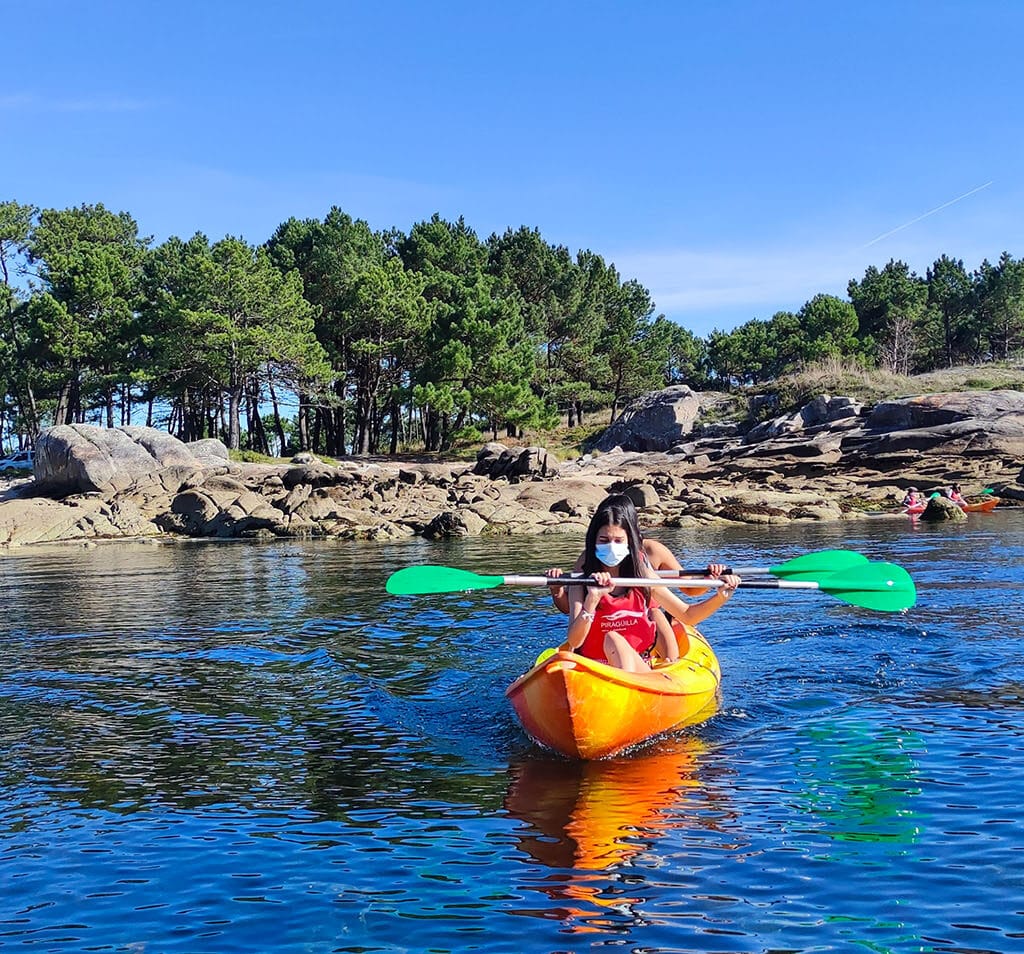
911	500
956	496
659	557
624	625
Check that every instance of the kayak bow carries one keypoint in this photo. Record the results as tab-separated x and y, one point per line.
984	506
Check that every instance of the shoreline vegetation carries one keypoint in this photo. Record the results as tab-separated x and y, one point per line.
337	339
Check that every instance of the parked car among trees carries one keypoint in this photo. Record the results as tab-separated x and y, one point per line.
19	460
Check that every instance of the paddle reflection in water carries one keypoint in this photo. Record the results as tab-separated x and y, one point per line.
861	782
590	819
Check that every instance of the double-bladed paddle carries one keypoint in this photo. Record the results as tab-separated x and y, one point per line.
877	586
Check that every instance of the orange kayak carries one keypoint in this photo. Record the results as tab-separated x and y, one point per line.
985	506
585	709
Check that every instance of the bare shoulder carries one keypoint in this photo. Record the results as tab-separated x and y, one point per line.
661	557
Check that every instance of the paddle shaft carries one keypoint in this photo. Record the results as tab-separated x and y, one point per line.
810	566
616	581
739	571
673	581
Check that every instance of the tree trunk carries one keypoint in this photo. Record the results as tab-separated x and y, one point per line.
278	426
396	422
304	435
67	400
259	439
431	428
361	440
234	424
312	441
340	430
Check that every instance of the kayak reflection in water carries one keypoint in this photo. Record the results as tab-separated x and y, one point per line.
587	820
623	626
597	815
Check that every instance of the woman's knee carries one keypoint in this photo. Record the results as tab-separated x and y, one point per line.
618	652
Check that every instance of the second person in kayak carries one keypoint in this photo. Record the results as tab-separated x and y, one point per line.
624	625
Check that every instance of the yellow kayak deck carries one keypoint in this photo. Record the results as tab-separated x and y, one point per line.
586	709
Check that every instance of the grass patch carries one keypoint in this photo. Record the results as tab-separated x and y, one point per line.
870	385
253	457
835	376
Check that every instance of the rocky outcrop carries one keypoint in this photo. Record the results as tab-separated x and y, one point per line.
653	422
932	410
941	508
822	410
831	460
496	460
83	458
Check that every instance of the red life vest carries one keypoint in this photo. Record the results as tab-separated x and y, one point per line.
628	615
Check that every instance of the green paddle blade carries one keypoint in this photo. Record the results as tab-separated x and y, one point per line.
877	586
812	566
419	580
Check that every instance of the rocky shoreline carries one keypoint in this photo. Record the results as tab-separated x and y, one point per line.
833	459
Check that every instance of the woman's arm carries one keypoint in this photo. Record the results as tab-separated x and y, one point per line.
698	612
559	596
665	641
583	602
662	558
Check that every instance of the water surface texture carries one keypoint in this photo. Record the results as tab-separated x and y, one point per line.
252	747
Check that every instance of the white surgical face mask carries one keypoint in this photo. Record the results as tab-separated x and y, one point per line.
611	554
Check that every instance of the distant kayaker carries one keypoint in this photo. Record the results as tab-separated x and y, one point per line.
911	499
956	496
624	625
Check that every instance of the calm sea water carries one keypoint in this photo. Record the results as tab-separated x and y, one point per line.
244	747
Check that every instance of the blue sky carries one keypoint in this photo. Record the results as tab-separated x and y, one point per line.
734	157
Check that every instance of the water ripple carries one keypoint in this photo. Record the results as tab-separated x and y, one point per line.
198	738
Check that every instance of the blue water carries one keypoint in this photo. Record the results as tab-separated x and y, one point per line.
251	747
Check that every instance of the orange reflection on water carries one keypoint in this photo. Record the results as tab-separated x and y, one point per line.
590	818
591	815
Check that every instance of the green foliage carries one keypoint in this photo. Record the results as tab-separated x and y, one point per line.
82	324
950	328
890	308
828	328
426	338
16	223
251	457
222	325
741	356
686	354
999	291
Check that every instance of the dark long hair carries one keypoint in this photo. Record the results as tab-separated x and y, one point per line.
617	511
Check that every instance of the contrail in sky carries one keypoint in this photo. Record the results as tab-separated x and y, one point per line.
938	208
